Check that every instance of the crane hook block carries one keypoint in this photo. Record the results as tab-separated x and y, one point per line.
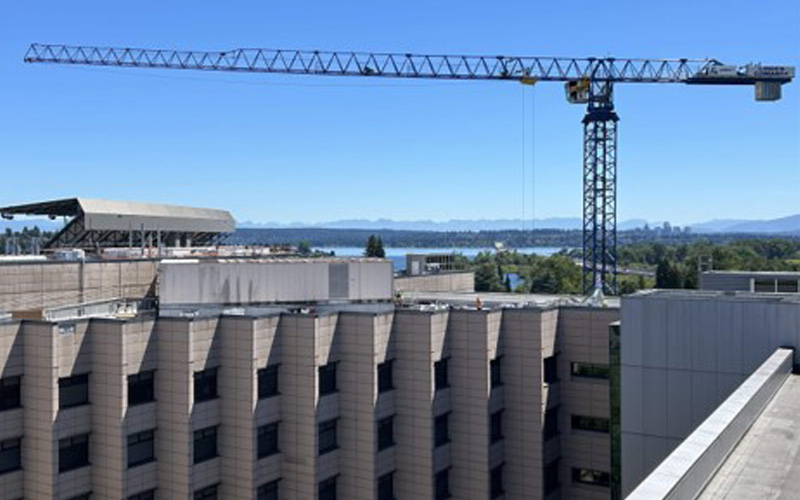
528	80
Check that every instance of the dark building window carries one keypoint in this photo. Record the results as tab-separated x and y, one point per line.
10	456
496	424
10	393
385	433
590	370
205	385
551	369
788	286
83	496
442	485
764	285
268	382
594	424
145	495
385	376
327	379
73	453
496	478
441	375
551	480
268	440
550	423
496	371
327	489
386	487
327	440
589	476
207	493
73	391
141	388
205	444
141	448
268	491
441	430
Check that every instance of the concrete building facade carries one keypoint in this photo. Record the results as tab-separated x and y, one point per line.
355	401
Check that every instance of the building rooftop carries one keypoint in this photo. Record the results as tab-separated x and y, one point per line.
766	462
105	223
792	298
494	299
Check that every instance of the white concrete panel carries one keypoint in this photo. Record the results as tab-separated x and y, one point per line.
729	341
679	401
757	346
788	326
679	337
704	396
632	399
704	335
654	395
631	330
654	334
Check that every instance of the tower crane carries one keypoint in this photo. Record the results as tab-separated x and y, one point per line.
588	80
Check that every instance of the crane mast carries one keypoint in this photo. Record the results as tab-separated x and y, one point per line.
587	80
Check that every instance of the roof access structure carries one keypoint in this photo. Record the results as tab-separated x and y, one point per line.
96	224
588	80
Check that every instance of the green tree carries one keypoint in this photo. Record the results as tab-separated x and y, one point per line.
375	247
486	278
668	275
304	248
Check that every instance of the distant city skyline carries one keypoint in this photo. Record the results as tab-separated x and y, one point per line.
290	149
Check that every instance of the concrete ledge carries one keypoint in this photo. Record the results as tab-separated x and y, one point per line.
687	470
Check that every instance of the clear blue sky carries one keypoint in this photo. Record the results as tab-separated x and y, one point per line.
315	149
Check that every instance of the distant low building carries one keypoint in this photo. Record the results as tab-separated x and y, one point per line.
751	281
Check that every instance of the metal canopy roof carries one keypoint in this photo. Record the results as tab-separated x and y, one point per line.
126	216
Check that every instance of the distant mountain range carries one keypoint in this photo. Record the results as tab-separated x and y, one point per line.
783	225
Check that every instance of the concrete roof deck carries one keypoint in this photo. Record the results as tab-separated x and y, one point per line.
766	462
490	299
715	294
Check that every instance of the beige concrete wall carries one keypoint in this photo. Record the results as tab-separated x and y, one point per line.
268	410
444	282
35	285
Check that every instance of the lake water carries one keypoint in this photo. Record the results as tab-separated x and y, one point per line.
398	254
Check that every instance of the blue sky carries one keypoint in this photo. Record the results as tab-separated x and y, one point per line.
273	148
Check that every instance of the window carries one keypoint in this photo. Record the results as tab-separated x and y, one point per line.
442	485
386	433
764	285
141	388
788	286
73	391
205	444
10	457
496	479
496	431
550	429
84	496
145	495
207	493
442	430
73	453
327	436
141	448
327	489
589	370
10	393
594	424
386	487
268	382
327	379
205	385
268	440
496	371
385	376
589	476
551	480
441	377
268	491
551	369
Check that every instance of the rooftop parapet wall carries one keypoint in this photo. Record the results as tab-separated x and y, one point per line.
687	470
